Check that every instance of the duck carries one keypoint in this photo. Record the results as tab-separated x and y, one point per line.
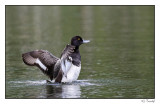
64	69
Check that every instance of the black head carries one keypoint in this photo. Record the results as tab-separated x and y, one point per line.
77	41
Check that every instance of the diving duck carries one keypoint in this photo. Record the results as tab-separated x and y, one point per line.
64	69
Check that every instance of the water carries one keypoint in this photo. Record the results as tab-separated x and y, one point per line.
117	63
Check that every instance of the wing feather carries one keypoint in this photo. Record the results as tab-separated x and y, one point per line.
67	51
66	60
42	59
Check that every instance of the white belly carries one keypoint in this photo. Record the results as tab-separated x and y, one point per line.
72	74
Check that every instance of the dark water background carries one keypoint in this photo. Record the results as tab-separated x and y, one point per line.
117	63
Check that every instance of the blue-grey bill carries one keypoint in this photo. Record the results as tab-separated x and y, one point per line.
86	41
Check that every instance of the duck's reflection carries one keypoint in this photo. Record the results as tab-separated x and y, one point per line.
63	91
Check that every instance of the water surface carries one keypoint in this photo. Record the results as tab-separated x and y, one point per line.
117	63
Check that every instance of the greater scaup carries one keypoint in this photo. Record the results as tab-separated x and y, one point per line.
63	69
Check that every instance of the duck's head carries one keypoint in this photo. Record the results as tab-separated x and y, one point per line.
77	41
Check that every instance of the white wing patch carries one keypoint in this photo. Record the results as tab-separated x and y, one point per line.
41	64
66	65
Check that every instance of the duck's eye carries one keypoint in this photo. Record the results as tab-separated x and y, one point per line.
79	39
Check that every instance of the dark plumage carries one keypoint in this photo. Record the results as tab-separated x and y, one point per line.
63	69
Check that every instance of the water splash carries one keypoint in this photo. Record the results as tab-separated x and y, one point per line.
45	82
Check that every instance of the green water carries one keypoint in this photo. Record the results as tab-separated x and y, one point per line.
117	63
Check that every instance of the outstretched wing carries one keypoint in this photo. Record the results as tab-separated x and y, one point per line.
66	59
67	51
42	59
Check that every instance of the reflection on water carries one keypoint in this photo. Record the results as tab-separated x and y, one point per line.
63	91
112	88
54	90
117	63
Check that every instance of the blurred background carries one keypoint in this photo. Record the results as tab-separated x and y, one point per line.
117	63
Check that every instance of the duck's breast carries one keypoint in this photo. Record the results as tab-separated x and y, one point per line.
72	74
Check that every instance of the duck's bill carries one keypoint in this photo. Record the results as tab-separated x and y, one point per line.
86	41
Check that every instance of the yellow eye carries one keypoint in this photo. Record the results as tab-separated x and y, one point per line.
79	39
